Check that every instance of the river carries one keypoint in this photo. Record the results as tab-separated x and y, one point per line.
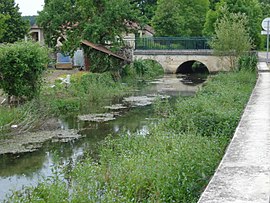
19	170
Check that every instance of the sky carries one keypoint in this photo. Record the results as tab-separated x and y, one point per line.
30	7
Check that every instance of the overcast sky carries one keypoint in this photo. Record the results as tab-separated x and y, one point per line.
30	7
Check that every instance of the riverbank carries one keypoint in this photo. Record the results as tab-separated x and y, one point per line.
243	175
172	163
25	128
61	97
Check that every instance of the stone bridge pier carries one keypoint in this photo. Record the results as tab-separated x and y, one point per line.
173	60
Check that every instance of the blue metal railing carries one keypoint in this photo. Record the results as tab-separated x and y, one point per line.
171	43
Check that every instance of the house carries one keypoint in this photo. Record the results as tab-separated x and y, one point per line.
36	33
129	37
79	60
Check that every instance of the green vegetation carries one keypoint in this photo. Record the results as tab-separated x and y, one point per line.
15	27
251	8
173	163
231	46
248	61
175	160
31	19
147	8
95	87
101	22
142	69
85	88
101	62
180	17
265	5
21	67
3	19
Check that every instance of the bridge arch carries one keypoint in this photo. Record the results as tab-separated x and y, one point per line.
192	66
170	59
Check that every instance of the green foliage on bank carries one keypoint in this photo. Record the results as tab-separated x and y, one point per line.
85	88
21	67
142	69
88	88
172	163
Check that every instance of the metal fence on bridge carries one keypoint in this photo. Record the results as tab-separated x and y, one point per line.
171	43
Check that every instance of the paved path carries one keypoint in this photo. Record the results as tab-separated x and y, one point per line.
243	175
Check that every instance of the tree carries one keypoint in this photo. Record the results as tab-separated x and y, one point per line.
265	6
31	19
15	27
147	8
251	8
21	68
100	22
180	17
231	46
55	15
3	19
213	4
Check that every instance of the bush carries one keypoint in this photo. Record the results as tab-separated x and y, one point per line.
146	69
248	62
21	68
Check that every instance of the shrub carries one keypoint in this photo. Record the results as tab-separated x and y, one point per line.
231	46
248	62
146	69
21	68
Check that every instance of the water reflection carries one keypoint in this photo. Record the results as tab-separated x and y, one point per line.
27	169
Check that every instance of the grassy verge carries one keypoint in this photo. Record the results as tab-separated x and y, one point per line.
173	163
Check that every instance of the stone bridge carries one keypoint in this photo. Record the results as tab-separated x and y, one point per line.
179	61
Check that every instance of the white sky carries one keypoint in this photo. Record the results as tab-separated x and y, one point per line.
30	7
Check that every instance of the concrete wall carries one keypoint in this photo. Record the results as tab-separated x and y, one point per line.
171	60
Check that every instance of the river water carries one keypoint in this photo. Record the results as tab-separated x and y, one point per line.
19	170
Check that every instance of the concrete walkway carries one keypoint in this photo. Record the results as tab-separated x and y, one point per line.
243	175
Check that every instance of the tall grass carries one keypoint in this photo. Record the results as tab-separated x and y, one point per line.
173	163
85	89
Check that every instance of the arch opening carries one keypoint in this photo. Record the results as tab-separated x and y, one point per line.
192	67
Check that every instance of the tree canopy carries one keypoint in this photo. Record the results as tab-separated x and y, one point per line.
180	17
3	19
100	22
265	5
251	8
15	28
213	4
147	8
